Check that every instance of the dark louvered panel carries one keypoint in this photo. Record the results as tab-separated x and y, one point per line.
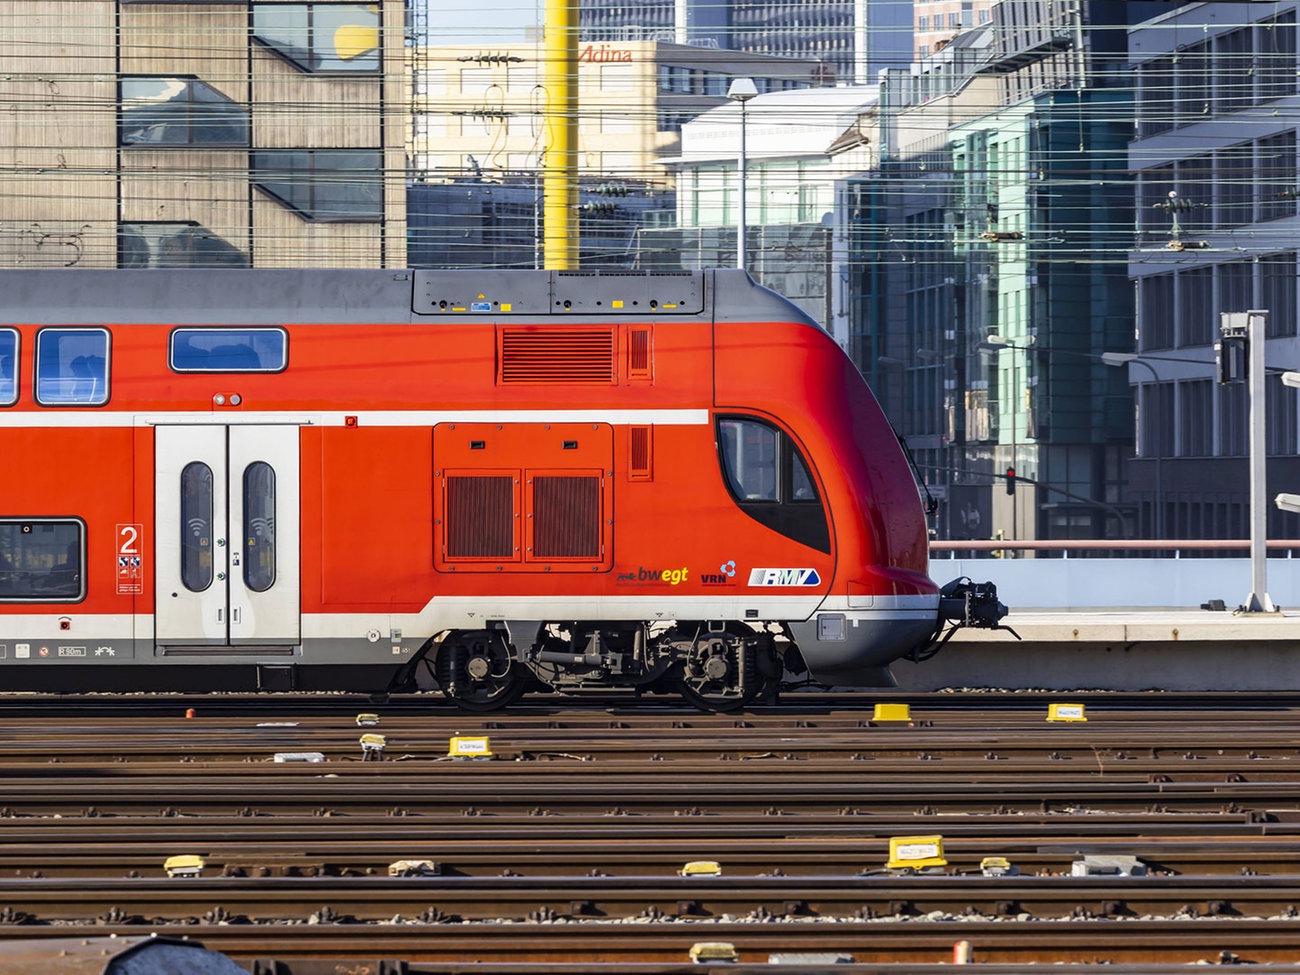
638	353
480	517
558	355
566	517
640	452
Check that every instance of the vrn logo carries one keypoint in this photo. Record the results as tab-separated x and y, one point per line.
784	577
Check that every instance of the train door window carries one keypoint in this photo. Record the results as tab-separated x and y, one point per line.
196	526
72	366
8	366
42	560
772	481
259	526
229	350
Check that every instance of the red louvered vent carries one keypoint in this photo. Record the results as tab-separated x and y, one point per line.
480	517
566	518
641	447
639	355
558	355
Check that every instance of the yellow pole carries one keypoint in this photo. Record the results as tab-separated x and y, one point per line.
559	180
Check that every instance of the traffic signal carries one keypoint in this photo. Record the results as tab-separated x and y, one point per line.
1011	480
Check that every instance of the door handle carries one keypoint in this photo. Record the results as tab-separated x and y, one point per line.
234	615
221	615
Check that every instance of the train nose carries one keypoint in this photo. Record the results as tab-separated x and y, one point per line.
853	647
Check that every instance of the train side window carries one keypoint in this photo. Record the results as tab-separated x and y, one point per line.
42	560
229	350
259	526
72	366
771	480
8	367
196	526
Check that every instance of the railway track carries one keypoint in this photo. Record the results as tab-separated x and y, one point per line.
566	846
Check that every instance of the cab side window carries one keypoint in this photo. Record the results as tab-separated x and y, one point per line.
771	480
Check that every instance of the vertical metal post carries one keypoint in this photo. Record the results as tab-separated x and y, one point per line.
741	90
740	189
1256	336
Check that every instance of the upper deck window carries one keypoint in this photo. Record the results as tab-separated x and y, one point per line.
72	366
8	367
229	349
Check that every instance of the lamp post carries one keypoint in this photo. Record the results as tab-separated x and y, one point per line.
1157	509
741	90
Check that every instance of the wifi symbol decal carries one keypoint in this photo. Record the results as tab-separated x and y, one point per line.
196	526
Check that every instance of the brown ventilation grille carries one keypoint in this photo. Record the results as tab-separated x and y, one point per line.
558	355
566	518
641	448
639	354
480	517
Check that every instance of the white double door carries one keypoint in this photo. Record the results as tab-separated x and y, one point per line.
226	539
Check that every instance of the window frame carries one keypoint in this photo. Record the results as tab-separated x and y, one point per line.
266	181
222	330
309	29
82	588
108	366
192	119
15	374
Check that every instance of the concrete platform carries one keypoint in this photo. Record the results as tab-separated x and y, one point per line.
1115	649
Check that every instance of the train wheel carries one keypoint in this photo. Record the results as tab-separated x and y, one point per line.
721	674
478	671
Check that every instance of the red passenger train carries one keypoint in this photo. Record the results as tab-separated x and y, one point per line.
498	480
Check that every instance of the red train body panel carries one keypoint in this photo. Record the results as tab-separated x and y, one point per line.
491	480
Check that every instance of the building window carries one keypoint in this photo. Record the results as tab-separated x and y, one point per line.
329	185
321	38
179	111
229	350
72	366
157	245
8	366
42	560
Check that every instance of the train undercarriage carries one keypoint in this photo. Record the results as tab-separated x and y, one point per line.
714	665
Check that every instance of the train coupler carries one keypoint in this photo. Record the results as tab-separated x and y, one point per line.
973	604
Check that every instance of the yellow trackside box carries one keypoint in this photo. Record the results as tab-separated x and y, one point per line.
469	747
1065	712
915	852
706	952
186	865
892	712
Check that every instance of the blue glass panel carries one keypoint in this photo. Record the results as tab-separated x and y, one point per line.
72	366
229	350
8	366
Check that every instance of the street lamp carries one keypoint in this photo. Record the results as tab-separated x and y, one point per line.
741	90
1132	358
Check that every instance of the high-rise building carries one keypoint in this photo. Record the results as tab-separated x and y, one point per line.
192	134
937	22
852	39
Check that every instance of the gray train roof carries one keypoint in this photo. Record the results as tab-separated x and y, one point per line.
251	297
